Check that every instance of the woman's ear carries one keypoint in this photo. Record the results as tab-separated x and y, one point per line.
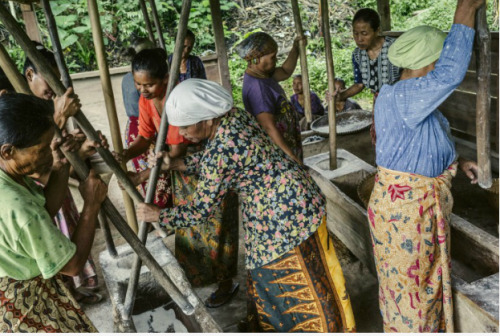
6	151
165	79
29	74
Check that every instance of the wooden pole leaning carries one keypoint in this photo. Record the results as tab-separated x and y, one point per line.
220	45
45	69
483	99
384	10
67	82
160	142
109	99
303	62
332	123
82	171
10	69
147	21
156	20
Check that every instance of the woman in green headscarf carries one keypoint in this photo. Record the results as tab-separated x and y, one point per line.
410	206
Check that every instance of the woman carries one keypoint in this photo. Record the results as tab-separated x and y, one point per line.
33	252
294	279
191	66
66	219
208	253
297	100
372	68
410	207
264	98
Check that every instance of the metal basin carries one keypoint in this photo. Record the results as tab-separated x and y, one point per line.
347	122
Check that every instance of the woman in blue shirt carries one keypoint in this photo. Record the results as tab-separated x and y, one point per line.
410	207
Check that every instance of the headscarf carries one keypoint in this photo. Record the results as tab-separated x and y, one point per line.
256	45
195	100
417	48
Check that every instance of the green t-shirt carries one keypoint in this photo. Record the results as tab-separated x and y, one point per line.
30	243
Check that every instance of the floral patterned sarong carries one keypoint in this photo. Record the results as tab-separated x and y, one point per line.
40	305
408	217
301	291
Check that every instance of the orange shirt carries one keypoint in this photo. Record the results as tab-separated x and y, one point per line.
149	123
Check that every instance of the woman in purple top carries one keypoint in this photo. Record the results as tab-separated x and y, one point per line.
191	66
264	97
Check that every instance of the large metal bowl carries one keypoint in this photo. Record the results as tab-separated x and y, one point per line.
347	122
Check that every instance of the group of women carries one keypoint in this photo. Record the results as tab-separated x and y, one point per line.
220	155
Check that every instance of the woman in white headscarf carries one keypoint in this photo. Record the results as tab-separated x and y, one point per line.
411	202
294	278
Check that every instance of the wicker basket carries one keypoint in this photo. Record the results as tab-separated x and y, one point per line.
365	188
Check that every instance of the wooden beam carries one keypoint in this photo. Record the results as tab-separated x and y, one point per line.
220	45
332	122
303	61
384	10
31	22
483	102
109	100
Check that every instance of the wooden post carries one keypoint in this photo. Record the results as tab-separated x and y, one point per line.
483	99
147	21
332	123
10	69
303	62
109	99
160	142
384	10
31	22
156	20
220	45
46	71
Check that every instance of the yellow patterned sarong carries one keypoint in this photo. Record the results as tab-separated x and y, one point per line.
408	217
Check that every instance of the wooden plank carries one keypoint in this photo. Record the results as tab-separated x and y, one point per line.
384	9
469	83
31	23
220	45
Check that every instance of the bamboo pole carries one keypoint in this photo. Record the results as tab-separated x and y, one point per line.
109	99
147	21
82	171
15	78
108	238
56	85
156	20
303	61
384	10
332	123
160	142
483	99
220	45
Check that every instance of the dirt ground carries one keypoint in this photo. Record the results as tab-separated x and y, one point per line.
471	203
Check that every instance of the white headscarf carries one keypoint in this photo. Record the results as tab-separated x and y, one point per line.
195	100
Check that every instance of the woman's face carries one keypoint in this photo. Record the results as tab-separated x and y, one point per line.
364	35
188	47
39	86
148	86
35	160
297	85
197	132
267	63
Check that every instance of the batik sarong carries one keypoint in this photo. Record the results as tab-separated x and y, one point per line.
408	217
207	253
302	291
40	305
163	195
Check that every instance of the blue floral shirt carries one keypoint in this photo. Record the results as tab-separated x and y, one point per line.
412	135
281	204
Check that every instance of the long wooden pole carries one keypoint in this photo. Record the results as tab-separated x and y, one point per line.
109	99
147	21
332	123
220	45
303	61
156	20
82	171
160	142
483	99
14	76
48	74
384	10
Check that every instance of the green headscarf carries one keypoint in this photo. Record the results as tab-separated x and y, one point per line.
417	48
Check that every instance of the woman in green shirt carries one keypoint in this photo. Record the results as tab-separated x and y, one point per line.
33	252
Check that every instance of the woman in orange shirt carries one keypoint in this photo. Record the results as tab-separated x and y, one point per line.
208	253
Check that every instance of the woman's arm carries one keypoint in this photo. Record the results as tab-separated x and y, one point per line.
351	91
136	148
266	120
288	67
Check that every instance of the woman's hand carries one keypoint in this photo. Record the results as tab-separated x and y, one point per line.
93	189
120	157
89	147
66	106
297	40
469	168
148	212
135	178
